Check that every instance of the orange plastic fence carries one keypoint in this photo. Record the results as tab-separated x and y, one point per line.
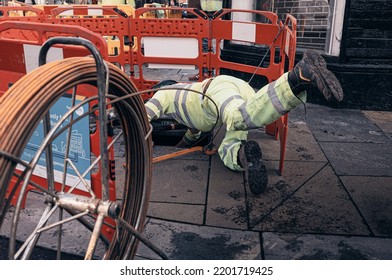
17	42
279	129
130	34
257	33
110	22
184	33
280	41
15	36
22	13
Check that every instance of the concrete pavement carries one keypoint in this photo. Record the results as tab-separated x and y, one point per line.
332	202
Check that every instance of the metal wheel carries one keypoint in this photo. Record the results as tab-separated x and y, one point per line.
57	188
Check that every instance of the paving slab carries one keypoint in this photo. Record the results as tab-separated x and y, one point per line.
226	205
361	159
120	175
178	212
319	205
300	145
39	253
190	242
186	73
180	181
335	125
382	119
281	246
373	196
279	189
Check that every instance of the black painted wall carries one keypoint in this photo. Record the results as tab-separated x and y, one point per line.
368	32
364	66
365	62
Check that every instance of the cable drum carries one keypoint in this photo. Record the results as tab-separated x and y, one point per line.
27	102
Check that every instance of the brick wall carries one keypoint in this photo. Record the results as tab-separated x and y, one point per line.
312	18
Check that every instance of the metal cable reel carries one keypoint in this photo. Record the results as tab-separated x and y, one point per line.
111	216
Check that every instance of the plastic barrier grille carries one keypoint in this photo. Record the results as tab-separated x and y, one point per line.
22	13
137	39
183	38
19	48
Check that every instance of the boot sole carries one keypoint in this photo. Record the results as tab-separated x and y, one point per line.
314	57
256	173
326	80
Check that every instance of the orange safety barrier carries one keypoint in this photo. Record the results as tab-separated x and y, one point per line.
255	33
111	22
290	41
167	42
19	46
136	39
15	36
276	40
22	13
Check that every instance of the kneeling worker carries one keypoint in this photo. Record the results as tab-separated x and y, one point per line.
241	109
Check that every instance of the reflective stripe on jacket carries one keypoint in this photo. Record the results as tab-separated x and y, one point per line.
237	104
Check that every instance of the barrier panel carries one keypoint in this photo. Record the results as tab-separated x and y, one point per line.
138	38
281	126
264	36
20	43
111	22
22	13
167	42
275	41
18	38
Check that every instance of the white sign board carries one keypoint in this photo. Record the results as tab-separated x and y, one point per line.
31	53
244	32
171	48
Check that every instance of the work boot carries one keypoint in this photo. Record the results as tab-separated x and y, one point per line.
255	173
312	71
190	138
185	143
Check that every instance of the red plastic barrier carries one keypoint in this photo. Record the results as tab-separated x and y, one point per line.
22	13
174	31
130	35
111	22
274	38
255	33
15	36
17	41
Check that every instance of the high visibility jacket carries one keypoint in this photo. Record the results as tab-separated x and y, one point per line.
211	5
230	101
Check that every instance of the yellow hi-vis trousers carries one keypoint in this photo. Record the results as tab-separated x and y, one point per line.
232	102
